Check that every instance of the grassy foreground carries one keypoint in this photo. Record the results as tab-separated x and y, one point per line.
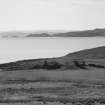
32	87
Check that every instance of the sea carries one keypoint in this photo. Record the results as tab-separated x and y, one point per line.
14	49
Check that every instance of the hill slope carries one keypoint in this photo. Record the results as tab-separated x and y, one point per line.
94	53
82	59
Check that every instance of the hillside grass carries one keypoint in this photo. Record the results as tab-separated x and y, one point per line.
54	75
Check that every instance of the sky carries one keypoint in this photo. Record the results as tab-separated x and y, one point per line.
51	14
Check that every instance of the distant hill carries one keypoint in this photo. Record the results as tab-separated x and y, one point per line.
29	34
87	33
83	59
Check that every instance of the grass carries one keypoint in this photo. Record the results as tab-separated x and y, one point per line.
52	87
58	75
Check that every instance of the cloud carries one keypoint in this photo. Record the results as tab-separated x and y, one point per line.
74	1
51	14
70	3
89	2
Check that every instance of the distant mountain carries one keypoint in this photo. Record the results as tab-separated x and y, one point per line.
38	35
29	34
83	59
87	33
13	34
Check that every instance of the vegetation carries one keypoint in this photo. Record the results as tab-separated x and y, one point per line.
73	94
79	64
30	65
96	65
48	65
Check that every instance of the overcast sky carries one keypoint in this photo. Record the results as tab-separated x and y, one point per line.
51	14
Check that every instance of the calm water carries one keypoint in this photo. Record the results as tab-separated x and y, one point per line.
18	49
